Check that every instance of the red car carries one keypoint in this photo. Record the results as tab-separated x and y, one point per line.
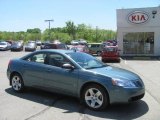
110	53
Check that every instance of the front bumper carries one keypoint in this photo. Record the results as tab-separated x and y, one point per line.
16	49
3	48
125	95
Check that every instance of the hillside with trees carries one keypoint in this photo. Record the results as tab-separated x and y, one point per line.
64	34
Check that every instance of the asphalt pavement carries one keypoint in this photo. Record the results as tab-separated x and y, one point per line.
40	105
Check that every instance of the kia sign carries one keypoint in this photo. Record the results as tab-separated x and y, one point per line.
138	17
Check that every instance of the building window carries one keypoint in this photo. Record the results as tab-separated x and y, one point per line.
138	43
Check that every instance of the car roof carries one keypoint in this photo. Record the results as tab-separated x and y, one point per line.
111	47
57	50
94	43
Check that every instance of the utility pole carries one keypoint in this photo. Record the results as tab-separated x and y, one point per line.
49	26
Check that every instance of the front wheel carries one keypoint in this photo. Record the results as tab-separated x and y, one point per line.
95	97
17	83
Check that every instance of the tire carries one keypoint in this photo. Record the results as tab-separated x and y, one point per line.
17	83
95	97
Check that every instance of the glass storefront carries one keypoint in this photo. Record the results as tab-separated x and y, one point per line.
138	43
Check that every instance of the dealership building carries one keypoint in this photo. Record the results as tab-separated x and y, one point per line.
138	31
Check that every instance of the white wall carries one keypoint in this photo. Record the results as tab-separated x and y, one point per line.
152	25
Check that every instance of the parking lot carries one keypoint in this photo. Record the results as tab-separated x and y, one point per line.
39	105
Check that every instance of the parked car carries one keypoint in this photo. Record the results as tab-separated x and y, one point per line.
5	46
79	42
74	42
55	46
38	42
31	46
43	44
80	48
110	53
110	43
77	74
95	48
17	46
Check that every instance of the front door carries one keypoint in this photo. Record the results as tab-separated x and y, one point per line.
58	78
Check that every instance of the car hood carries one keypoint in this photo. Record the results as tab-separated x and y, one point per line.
115	72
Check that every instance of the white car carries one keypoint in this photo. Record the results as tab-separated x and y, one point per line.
74	42
78	42
5	46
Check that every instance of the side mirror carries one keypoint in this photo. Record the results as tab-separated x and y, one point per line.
68	66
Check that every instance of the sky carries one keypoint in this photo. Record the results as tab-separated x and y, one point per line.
20	15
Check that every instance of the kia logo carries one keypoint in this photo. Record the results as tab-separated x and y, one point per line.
138	17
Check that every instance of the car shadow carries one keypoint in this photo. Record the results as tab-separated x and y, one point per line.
71	104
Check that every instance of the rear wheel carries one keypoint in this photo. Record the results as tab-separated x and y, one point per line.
95	97
17	83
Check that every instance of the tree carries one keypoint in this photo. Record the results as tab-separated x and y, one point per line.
35	30
71	29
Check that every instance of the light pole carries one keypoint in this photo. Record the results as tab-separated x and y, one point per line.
49	26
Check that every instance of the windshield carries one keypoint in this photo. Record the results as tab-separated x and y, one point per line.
110	49
16	43
86	61
30	44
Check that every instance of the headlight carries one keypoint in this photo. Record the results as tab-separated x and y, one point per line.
123	83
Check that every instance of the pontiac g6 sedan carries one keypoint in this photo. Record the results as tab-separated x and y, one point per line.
77	74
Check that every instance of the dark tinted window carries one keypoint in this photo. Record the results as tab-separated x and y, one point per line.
110	49
61	46
57	60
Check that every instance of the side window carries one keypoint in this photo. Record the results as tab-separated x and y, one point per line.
57	60
39	58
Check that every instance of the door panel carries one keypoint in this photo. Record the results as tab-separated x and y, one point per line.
33	74
60	79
